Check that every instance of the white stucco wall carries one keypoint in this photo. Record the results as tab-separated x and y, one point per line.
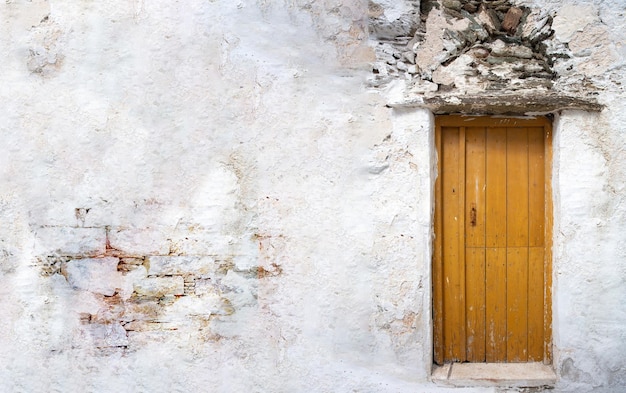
236	147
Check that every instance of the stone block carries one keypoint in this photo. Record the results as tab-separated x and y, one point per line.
97	275
130	264
488	18
180	265
205	287
511	19
142	310
239	290
70	241
140	241
452	4
149	326
200	241
129	278
501	49
160	286
107	335
146	337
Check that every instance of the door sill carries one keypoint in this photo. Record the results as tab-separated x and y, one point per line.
494	374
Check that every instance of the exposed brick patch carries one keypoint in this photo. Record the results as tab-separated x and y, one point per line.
139	281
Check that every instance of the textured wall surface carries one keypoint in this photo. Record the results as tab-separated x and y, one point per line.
214	196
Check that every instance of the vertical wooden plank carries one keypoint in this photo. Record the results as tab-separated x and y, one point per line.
547	351
517	243
438	258
496	187
496	305
475	187
475	307
517	304
495	231
536	187
536	230
474	242
453	280
462	351
517	187
535	303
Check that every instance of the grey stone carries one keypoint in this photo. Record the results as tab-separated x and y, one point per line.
383	28
160	286
469	7
479	52
452	4
139	241
172	265
97	275
107	335
489	19
409	57
199	241
70	241
501	49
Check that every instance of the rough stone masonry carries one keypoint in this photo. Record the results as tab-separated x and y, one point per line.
492	56
236	196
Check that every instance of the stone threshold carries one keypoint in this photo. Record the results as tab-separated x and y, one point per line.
494	374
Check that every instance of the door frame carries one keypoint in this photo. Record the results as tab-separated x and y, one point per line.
437	265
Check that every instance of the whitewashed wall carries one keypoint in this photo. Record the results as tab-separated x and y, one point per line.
261	218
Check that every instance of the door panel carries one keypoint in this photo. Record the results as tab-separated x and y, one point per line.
454	284
536	184
535	303
475	187
496	304
516	304
516	187
496	177
491	284
475	306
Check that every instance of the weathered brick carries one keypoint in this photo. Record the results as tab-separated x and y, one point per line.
173	265
70	241
97	275
140	241
160	286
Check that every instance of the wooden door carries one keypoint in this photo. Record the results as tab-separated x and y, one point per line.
491	260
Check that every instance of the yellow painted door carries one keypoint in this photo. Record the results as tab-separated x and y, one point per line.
491	260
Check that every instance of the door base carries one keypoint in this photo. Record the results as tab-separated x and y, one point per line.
494	374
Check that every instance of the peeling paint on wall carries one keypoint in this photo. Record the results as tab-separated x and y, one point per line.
238	194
